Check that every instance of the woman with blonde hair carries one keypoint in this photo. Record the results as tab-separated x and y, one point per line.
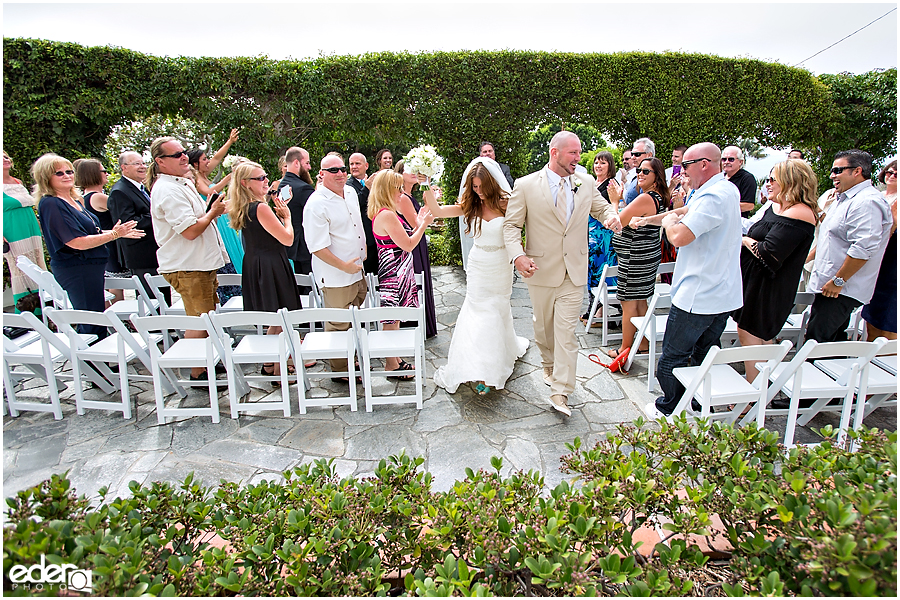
267	280
484	347
75	241
773	254
21	231
395	240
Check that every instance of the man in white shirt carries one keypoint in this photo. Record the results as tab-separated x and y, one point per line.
851	243
642	149
336	239
706	285
677	155
190	249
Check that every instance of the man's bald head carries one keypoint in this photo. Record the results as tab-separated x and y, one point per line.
358	165
701	162
562	137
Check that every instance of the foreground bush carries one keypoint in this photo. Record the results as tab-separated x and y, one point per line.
819	521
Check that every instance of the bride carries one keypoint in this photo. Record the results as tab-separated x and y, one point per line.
484	347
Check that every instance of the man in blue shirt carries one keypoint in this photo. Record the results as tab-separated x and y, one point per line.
643	149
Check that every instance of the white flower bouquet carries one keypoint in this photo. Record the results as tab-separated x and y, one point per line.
426	161
231	161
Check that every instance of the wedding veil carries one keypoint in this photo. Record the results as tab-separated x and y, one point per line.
492	167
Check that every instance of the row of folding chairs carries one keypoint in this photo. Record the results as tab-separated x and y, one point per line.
852	378
90	358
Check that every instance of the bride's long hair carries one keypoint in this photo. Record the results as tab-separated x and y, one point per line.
471	203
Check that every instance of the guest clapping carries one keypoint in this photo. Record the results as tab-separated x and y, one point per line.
773	254
75	241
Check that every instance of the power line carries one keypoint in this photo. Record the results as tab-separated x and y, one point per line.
844	38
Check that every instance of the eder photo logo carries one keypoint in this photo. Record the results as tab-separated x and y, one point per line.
51	577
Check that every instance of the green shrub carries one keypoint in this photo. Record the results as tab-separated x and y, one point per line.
817	521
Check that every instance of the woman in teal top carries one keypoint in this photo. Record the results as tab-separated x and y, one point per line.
20	230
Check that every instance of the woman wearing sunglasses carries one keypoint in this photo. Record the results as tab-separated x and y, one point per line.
75	242
773	254
267	280
638	248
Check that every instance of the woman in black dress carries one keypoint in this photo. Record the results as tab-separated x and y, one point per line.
90	176
773	254
267	280
409	208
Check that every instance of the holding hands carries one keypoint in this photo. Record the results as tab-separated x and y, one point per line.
525	266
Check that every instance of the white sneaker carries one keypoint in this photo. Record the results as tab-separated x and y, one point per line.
558	402
652	412
548	374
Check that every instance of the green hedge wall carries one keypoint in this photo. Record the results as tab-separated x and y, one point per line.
66	97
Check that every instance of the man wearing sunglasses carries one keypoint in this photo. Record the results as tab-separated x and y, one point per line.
642	149
733	167
336	239
850	246
706	285
190	249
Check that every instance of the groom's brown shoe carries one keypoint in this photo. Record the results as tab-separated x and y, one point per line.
559	402
548	375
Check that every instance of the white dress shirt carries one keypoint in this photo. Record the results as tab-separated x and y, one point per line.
332	222
554	180
175	205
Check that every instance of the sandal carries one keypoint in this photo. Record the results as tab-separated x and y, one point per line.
613	353
404	366
262	371
481	389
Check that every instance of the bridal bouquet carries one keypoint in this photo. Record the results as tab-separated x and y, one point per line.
425	160
231	161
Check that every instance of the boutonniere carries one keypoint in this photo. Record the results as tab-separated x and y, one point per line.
576	183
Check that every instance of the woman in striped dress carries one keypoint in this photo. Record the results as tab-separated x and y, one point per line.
20	231
395	240
638	249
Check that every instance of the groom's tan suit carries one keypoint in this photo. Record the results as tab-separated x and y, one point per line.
560	251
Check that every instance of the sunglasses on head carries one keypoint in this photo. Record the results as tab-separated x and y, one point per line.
66	172
176	155
336	169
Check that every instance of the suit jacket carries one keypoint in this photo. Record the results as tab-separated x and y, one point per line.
504	168
301	192
555	247
362	193
127	203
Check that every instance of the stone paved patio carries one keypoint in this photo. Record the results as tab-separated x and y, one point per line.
100	448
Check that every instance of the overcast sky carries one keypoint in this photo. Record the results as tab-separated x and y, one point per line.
788	33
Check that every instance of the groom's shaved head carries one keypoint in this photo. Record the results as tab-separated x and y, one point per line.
561	138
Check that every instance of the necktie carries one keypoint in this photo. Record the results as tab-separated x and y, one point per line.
144	191
562	200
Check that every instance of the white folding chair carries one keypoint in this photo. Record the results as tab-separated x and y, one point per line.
605	296
653	327
314	298
663	268
857	328
716	383
387	343
872	380
794	327
142	305
235	303
800	380
40	357
120	347
321	345
156	283
253	349
373	298
33	272
186	353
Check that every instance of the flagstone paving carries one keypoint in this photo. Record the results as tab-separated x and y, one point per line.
451	432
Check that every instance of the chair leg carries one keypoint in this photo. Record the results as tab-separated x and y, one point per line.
351	368
10	390
157	393
123	385
230	366
213	390
54	392
76	383
285	386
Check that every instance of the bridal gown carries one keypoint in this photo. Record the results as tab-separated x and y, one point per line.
484	345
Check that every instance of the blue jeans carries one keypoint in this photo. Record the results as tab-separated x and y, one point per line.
688	339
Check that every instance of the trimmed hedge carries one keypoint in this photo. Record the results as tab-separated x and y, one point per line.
66	97
814	521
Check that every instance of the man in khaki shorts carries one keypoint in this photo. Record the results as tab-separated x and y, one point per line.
190	249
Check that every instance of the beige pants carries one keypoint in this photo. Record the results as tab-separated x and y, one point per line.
556	313
343	297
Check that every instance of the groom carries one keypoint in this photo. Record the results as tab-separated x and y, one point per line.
554	204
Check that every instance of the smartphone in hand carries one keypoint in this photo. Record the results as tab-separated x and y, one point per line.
212	200
285	193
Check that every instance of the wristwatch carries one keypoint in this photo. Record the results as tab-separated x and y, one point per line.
838	281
